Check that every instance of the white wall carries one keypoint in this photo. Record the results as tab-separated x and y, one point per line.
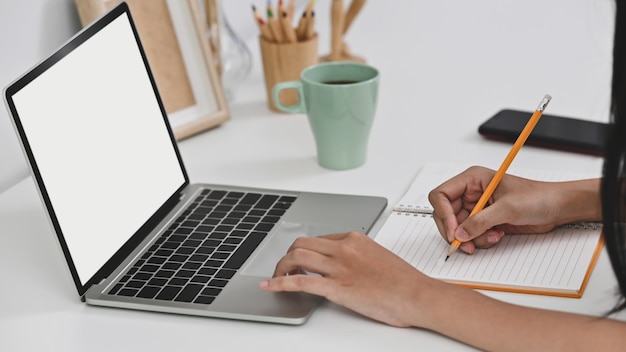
29	31
32	29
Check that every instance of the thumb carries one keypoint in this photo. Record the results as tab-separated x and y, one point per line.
477	224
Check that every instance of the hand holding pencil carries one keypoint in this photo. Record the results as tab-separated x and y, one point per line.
495	181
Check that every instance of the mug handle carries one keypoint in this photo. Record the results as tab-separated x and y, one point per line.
299	107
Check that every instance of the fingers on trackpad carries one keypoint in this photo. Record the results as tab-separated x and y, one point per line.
263	261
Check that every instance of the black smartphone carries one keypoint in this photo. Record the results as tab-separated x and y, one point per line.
554	132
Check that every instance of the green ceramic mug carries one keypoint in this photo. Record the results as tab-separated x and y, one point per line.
339	99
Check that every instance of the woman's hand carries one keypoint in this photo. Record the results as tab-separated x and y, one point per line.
355	272
518	205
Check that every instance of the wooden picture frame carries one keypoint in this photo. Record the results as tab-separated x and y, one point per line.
174	38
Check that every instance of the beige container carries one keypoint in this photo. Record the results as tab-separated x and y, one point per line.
284	62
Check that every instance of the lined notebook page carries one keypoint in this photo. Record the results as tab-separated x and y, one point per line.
557	263
554	263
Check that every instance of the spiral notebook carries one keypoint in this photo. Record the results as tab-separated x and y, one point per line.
558	263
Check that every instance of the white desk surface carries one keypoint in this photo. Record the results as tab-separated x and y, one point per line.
445	67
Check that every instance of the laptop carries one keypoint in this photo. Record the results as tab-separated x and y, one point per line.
134	232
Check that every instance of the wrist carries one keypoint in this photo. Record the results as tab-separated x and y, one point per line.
580	202
428	299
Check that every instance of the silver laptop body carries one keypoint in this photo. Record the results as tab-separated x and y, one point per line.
111	178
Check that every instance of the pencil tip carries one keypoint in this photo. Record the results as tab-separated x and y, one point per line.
447	256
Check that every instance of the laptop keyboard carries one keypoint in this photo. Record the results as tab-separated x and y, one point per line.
196	256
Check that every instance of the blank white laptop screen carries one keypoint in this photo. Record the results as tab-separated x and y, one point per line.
122	156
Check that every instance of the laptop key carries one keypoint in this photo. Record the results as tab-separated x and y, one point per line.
224	208
211	291
200	257
157	282
172	265
250	198
228	201
234	194
189	293
220	255
115	289
230	221
217	283
149	268
245	250
185	273
225	274
168	293
233	240
148	292
178	281
266	201
263	226
164	252
271	219
135	284
129	292
207	271
216	195
257	212
204	299
287	199
282	205
213	263
202	279
142	276
192	265
164	273
276	212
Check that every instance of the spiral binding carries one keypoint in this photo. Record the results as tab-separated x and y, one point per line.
584	225
416	210
413	210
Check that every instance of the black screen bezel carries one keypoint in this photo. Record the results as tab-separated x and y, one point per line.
75	42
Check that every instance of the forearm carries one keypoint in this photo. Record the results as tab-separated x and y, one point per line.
488	324
580	201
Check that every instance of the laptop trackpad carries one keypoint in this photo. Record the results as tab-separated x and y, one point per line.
264	260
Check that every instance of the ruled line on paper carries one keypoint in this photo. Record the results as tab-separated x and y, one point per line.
558	260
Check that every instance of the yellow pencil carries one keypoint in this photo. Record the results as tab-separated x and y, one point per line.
493	184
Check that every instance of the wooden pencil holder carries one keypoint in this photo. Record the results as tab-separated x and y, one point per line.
283	62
